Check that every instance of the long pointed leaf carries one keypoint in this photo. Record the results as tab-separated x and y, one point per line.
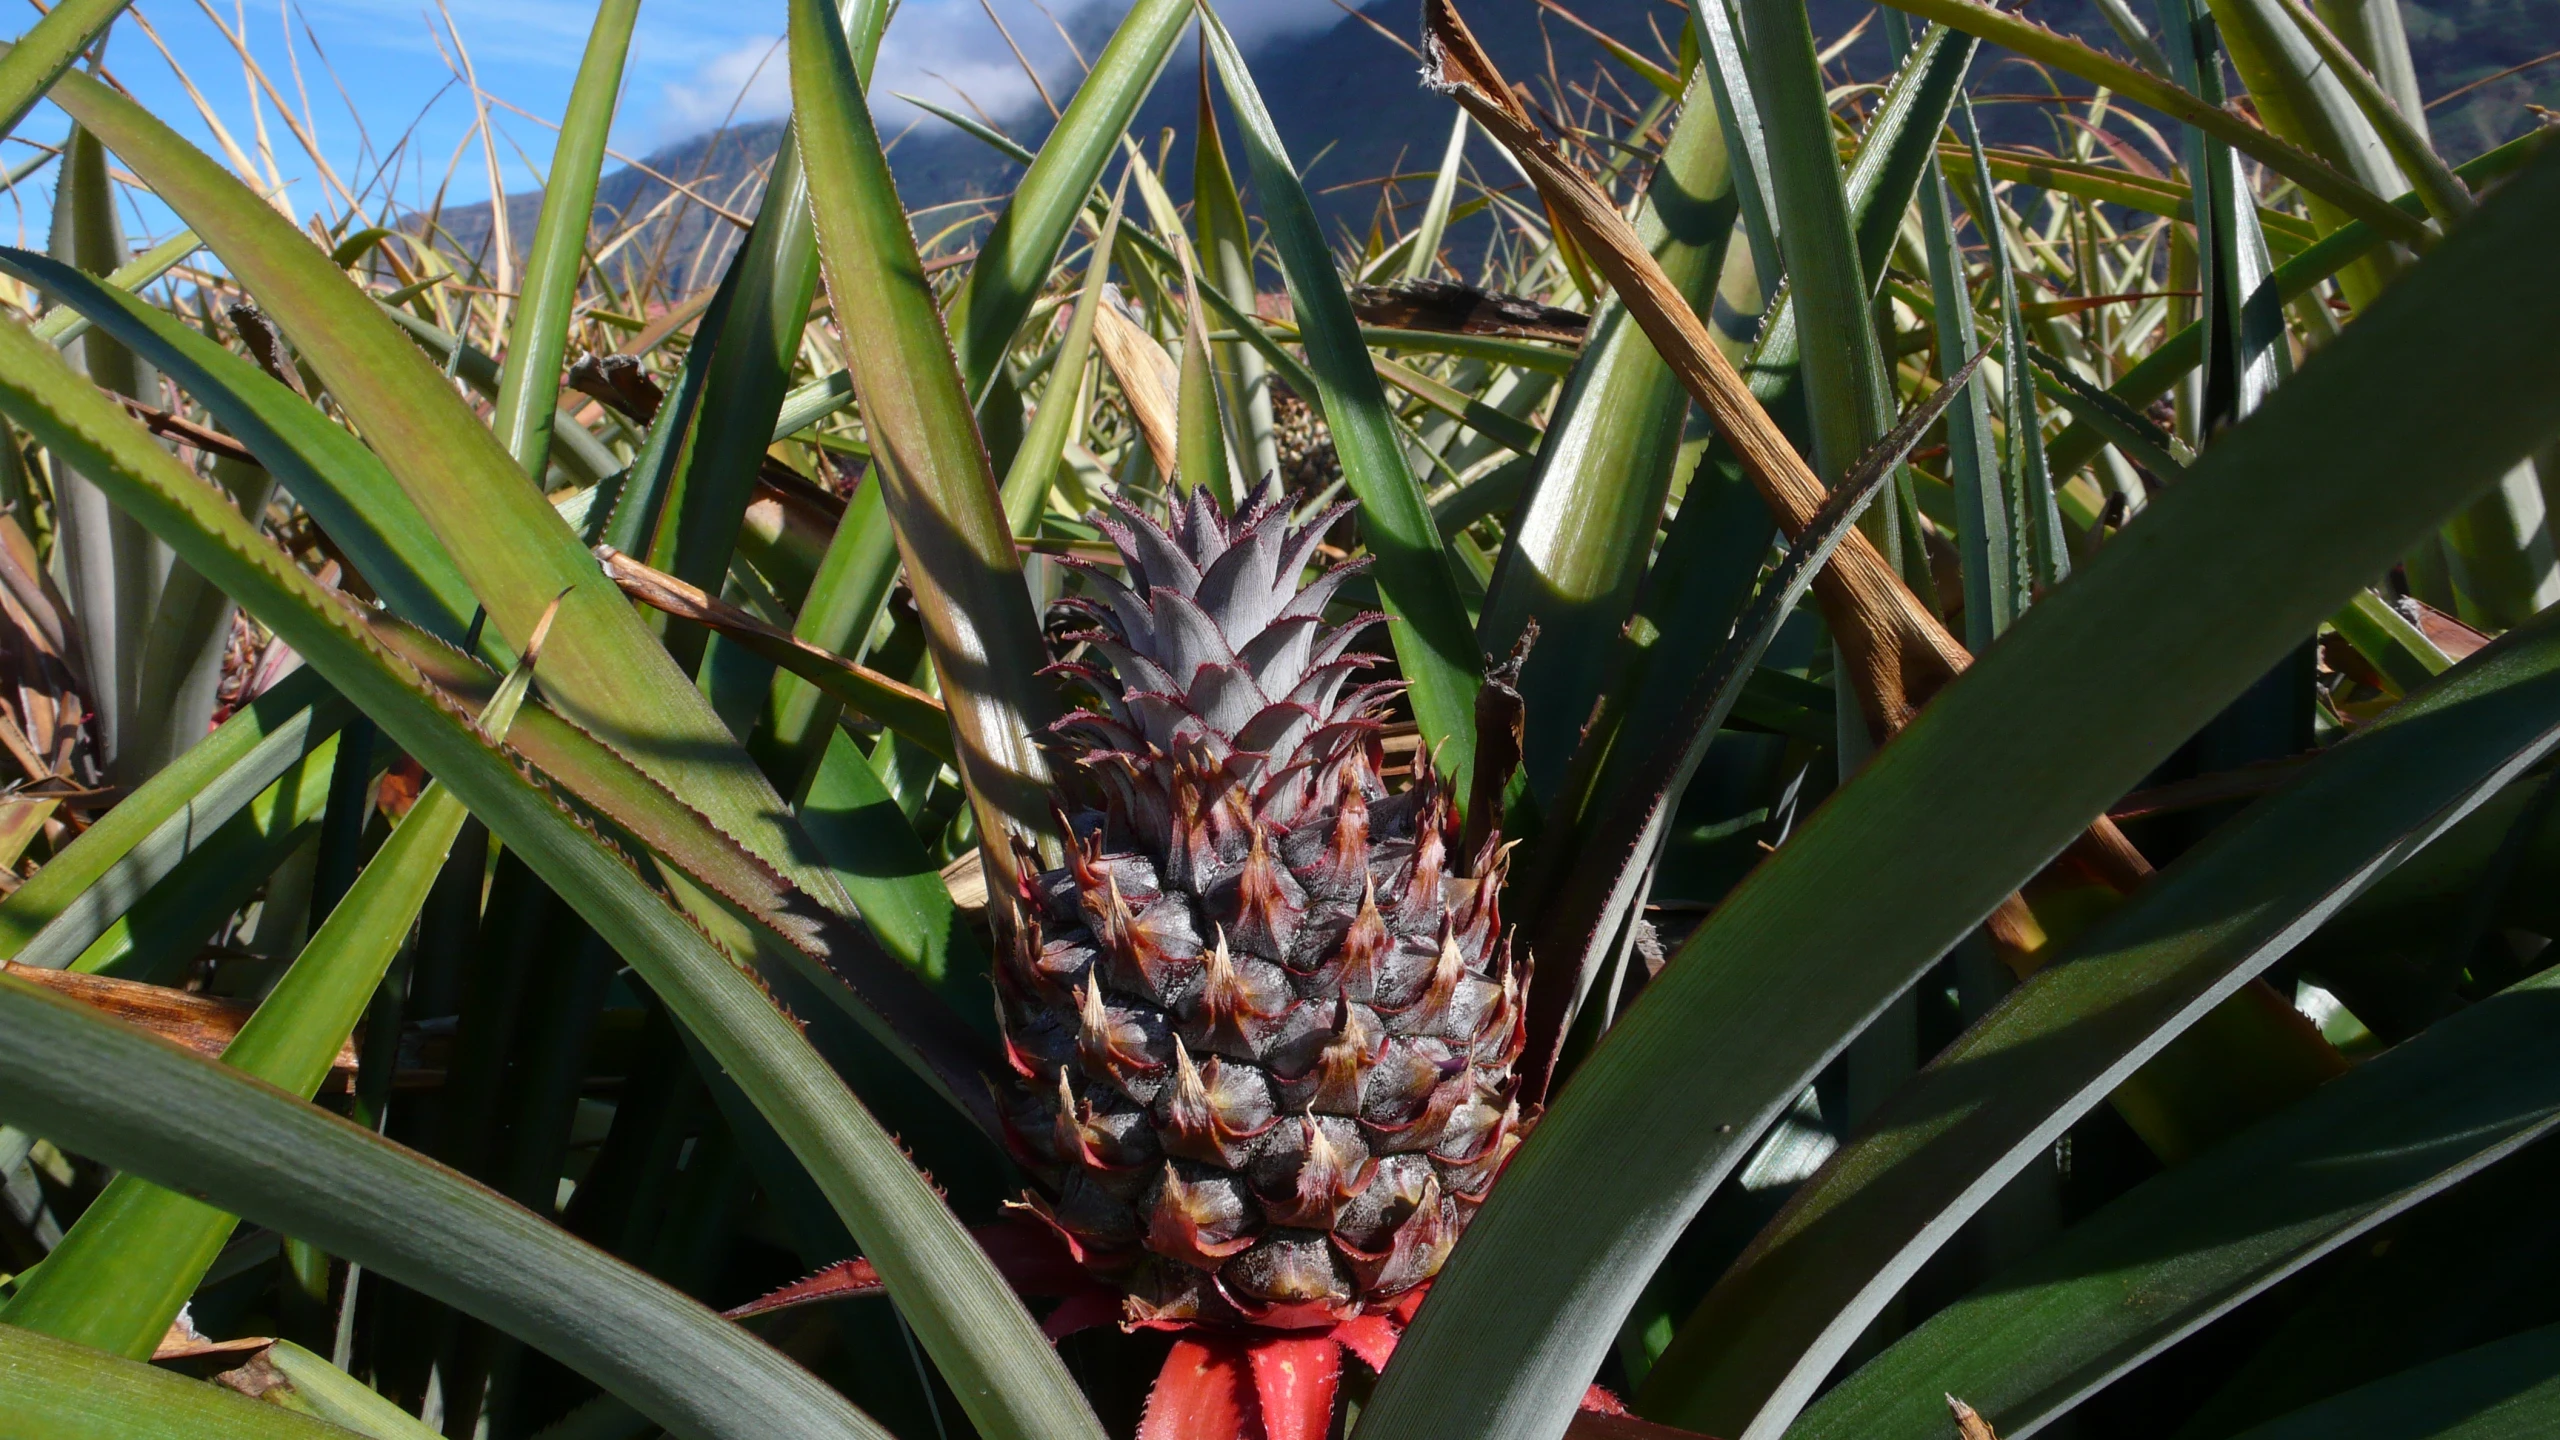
160	1112
121	1274
53	1390
2198	1240
148	833
961	1308
1580	538
44	53
329	472
1615	850
1786	970
1013	261
529	382
605	667
1435	648
1766	1336
933	473
2035	42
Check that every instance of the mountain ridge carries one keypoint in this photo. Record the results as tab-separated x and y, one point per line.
1350	109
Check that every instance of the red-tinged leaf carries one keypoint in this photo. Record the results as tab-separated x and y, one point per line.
1029	1257
1294	1377
844	1280
1083	1310
1205	1392
1598	1401
1590	1426
1370	1337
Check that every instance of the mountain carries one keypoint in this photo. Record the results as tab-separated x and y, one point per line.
1313	83
1350	109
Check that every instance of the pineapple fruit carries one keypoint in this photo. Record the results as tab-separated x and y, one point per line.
1264	1018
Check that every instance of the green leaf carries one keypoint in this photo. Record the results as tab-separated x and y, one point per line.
1200	427
575	454
529	382
605	668
934	475
2036	560
157	932
966	1316
2398	649
1226	252
1434	645
41	56
2446	198
1845	915
750	344
329	472
1716	544
1983	544
2033	41
2188	1245
2152	376
51	1390
853	582
120	1276
2507	1390
1848	402
324	1392
176	812
1035	462
160	1112
62	326
1764	1338
1425	250
1014	260
1738	114
1613	853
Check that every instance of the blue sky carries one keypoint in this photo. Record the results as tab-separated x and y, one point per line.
392	64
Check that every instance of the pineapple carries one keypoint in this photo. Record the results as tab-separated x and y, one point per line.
1264	1018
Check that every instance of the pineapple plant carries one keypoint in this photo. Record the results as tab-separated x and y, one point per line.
998	768
1260	1093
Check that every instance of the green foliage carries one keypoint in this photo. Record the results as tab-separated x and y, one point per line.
1871	1052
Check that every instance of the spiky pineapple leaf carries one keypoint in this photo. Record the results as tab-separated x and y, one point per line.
605	666
341	484
176	812
1014	260
54	1390
1844	916
960	1307
933	473
547	298
2073	57
1602	887
1763	1339
1435	647
120	1276
2200	1239
163	1113
41	56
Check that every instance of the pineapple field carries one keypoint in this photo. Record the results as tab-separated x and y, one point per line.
1778	746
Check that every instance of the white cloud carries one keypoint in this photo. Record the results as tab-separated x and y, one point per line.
943	51
751	80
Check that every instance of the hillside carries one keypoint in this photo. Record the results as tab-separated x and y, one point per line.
1351	111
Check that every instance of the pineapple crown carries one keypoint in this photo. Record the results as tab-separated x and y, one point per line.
1221	672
